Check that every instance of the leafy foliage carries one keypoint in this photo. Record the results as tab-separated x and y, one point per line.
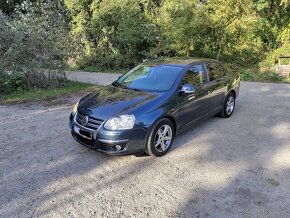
35	39
255	75
192	28
114	34
117	34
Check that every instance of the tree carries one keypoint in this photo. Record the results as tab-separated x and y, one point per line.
113	33
36	38
219	29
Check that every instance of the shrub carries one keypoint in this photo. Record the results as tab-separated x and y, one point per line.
255	75
11	82
35	39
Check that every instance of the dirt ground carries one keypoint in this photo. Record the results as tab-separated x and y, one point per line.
236	167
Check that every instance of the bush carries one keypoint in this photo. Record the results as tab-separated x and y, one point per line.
254	75
17	81
114	35
11	82
35	39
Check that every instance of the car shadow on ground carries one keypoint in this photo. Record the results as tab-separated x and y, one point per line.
248	164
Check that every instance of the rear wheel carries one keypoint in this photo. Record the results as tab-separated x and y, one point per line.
160	138
228	106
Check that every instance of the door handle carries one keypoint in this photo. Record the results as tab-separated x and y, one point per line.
190	97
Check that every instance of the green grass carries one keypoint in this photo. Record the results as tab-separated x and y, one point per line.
268	76
273	182
41	94
287	80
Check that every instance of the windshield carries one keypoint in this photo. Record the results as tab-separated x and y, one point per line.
151	78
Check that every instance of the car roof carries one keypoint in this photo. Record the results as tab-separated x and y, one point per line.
177	61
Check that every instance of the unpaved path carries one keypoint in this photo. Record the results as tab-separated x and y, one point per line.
221	168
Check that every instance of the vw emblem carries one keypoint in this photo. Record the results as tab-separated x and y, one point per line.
85	120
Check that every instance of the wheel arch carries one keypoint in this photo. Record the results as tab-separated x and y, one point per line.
234	92
173	122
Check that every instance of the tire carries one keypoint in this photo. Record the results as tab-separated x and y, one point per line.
228	106
156	144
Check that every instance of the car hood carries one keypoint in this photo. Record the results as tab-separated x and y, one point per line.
112	101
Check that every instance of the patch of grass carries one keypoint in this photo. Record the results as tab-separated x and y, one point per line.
267	76
273	182
41	94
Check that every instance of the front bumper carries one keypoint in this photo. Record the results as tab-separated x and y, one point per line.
110	142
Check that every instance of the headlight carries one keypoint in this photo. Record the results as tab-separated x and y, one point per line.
75	108
120	123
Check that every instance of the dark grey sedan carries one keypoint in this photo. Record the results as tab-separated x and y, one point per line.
145	108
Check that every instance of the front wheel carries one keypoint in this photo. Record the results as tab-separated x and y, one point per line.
228	106
160	138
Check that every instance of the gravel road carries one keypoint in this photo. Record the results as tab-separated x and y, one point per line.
236	167
95	78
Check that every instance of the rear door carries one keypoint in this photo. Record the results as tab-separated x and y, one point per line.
193	107
217	85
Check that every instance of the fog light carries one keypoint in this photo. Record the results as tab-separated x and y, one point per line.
118	147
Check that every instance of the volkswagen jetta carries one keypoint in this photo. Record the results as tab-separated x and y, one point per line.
143	110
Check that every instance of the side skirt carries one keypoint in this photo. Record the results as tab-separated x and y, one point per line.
192	124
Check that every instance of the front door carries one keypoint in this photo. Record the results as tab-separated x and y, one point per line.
193	107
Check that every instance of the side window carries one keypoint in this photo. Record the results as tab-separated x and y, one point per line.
215	70
195	75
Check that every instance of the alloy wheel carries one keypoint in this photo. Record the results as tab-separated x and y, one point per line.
163	138
230	105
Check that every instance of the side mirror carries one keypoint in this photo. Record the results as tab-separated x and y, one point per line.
187	89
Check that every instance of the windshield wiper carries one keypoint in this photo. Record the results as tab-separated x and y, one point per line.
115	83
125	87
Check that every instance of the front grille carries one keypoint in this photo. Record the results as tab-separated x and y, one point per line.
88	142
91	143
93	123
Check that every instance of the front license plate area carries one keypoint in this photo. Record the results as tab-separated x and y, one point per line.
83	133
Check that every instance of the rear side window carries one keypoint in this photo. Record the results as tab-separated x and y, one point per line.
215	71
195	75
